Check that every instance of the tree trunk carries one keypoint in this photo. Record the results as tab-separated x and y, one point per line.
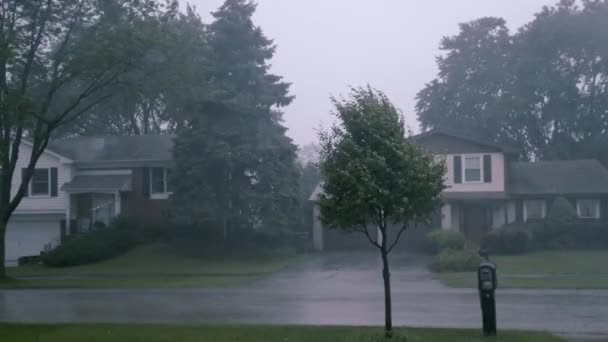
2	256
386	275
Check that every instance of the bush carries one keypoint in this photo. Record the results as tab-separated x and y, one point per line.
508	240
93	247
561	213
452	260
440	240
576	235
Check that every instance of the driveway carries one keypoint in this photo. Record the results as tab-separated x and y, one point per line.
329	289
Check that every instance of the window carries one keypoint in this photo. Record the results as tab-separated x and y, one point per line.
40	184
588	208
534	209
472	168
159	180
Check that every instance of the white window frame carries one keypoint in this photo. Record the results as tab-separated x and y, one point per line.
160	195
31	184
464	168
543	209
597	208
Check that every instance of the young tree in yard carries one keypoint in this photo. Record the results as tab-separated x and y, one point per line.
58	60
374	177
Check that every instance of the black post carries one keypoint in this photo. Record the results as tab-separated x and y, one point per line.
487	282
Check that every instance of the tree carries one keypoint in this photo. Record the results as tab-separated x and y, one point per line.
373	175
235	167
58	60
150	98
543	89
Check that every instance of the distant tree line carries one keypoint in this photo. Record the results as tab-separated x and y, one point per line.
543	89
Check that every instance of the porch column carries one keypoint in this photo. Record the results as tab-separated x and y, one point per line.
317	228
68	213
117	204
446	216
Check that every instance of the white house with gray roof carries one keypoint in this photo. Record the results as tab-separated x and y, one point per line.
487	189
84	182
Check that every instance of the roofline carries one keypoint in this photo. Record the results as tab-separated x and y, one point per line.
50	151
505	149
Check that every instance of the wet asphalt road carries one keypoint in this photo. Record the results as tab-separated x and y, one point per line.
326	289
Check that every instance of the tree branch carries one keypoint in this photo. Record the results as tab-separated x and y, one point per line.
363	229
403	228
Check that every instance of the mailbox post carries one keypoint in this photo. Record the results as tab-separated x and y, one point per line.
487	282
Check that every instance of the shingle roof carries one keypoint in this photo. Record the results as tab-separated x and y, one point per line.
474	195
469	138
115	148
558	177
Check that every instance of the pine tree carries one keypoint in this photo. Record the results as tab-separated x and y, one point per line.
235	165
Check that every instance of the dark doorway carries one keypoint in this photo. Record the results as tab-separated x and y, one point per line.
475	221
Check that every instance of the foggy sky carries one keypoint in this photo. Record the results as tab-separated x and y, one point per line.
324	46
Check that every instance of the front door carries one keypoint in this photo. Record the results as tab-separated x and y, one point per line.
475	223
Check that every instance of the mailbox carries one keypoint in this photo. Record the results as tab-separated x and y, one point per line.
487	283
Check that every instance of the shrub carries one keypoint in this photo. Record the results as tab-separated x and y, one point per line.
440	240
93	247
508	240
453	260
580	234
561	212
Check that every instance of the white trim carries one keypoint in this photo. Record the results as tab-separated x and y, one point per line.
30	184
112	172
597	208
159	195
62	159
543	208
464	168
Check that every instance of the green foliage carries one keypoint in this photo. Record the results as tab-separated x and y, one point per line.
456	260
92	247
509	87
371	172
235	166
440	240
513	239
580	234
561	212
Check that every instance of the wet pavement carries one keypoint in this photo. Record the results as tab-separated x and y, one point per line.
326	289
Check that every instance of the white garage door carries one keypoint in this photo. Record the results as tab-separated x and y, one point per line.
27	237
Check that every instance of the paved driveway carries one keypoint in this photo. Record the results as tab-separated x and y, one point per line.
333	289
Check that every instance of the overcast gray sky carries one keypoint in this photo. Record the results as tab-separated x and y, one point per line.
323	46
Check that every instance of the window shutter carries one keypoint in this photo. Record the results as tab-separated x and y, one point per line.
53	182
145	187
27	186
457	169
487	168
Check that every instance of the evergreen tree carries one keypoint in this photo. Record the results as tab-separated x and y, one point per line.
235	167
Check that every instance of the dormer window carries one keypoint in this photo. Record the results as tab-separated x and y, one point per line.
472	169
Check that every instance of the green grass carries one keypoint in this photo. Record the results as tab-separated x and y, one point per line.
552	269
166	333
157	265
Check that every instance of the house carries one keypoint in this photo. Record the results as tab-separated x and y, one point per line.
84	182
486	188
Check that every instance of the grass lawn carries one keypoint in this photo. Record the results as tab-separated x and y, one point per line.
156	265
552	269
165	333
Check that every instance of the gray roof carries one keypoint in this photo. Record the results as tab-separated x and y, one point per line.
471	139
115	148
558	177
98	183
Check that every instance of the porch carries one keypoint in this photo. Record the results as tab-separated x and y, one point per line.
94	201
474	217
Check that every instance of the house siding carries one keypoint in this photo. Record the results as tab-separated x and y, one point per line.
46	204
136	205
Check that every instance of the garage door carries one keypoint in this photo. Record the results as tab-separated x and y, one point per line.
26	237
